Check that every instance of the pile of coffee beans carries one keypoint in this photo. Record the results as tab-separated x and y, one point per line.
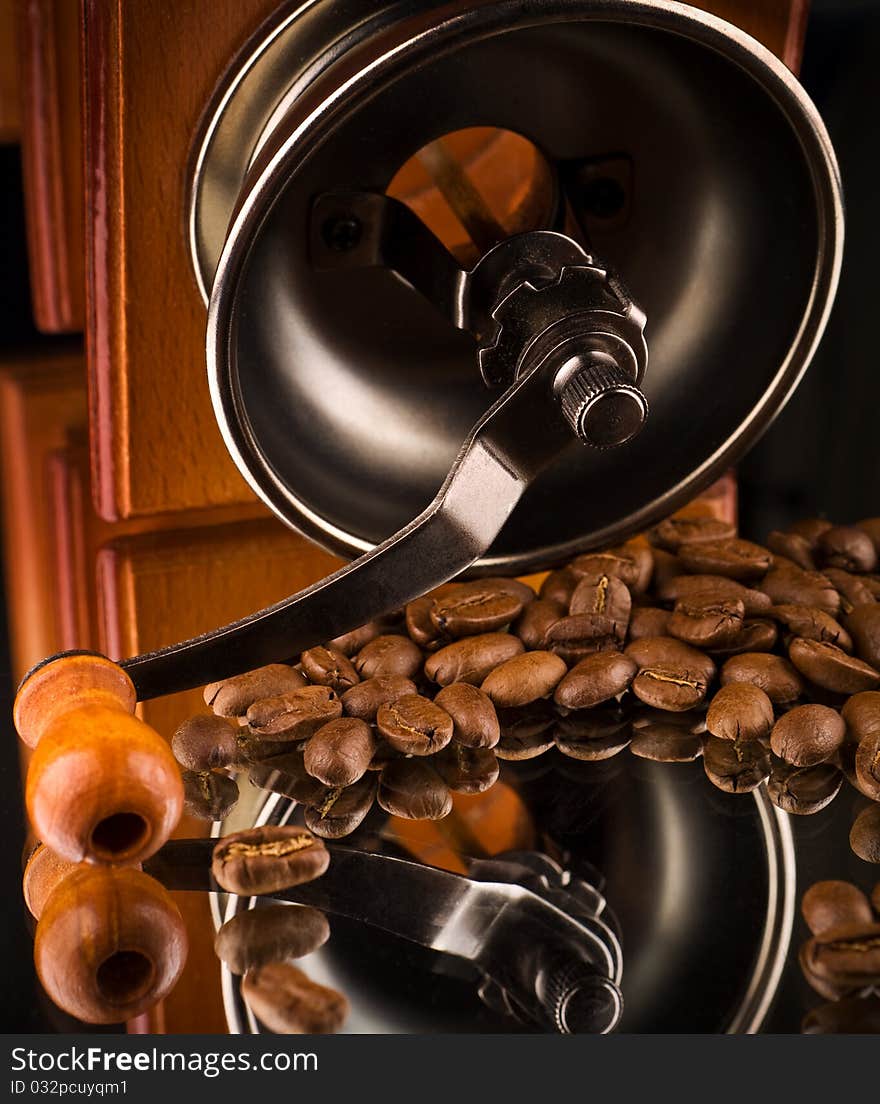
841	960
687	642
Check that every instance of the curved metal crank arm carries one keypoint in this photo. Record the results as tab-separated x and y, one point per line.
516	438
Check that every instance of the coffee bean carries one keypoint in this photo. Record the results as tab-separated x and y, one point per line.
289	1003
810	529
812	624
807	735
595	679
875	898
605	596
757	635
864	624
351	642
328	666
575	637
847	956
707	624
699	589
365	699
861	713
475	608
640	551
384	754
559	587
340	752
822	985
233	697
524	679
536	619
389	655
868	765
414	725
207	795
792	547
733	558
848	548
829	904
282	773
621	565
412	789
864	837
674	532
467	770
294	716
475	722
803	790
420	626
791	586
204	742
671	675
666	568
770	673
342	809
740	711
472	658
853	590
666	743
268	859
831	668
735	766
593	735
847	1016
648	621
526	732
871	526
277	933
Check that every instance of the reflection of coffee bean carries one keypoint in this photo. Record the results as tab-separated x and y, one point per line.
832	903
412	789
735	766
864	837
803	790
289	1003
276	933
204	742
208	795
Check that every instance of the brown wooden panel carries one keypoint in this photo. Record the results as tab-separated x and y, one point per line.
10	112
150	68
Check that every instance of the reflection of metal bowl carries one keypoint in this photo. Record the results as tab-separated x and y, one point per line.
702	884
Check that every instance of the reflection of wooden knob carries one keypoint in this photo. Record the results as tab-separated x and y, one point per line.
102	785
110	944
44	871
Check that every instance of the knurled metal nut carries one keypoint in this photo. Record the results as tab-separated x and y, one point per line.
587	387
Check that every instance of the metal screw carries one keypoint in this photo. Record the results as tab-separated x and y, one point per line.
600	401
342	233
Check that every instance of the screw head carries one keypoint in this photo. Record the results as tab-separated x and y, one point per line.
600	402
342	233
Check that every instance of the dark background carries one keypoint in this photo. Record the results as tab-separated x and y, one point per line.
821	457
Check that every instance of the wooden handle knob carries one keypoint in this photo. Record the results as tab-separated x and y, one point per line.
110	944
102	785
43	873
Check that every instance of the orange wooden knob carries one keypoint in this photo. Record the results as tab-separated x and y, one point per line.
102	785
42	874
110	944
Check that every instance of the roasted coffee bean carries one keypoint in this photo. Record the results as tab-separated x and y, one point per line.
420	626
389	655
640	551
757	635
735	766
810	529
289	1003
791	586
829	904
871	526
475	722
666	743
733	558
208	795
864	624
672	675
383	755
515	587
666	568
770	673
467	770
861	713
847	956
831	668
574	637
592	735
524	679
268	859
740	711
475	608
698	589
536	619
595	679
847	1016
365	699
414	725
526	732
821	985
351	642
233	697
672	533
328	666
294	716
875	898
803	790
287	774
648	621
848	548
205	742
606	596
340	752
872	582
853	589
620	564
792	547
277	933
707	624
341	809
812	624
412	789
559	587
864	836
807	735
472	658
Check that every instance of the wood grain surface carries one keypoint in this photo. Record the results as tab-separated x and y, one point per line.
10	108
